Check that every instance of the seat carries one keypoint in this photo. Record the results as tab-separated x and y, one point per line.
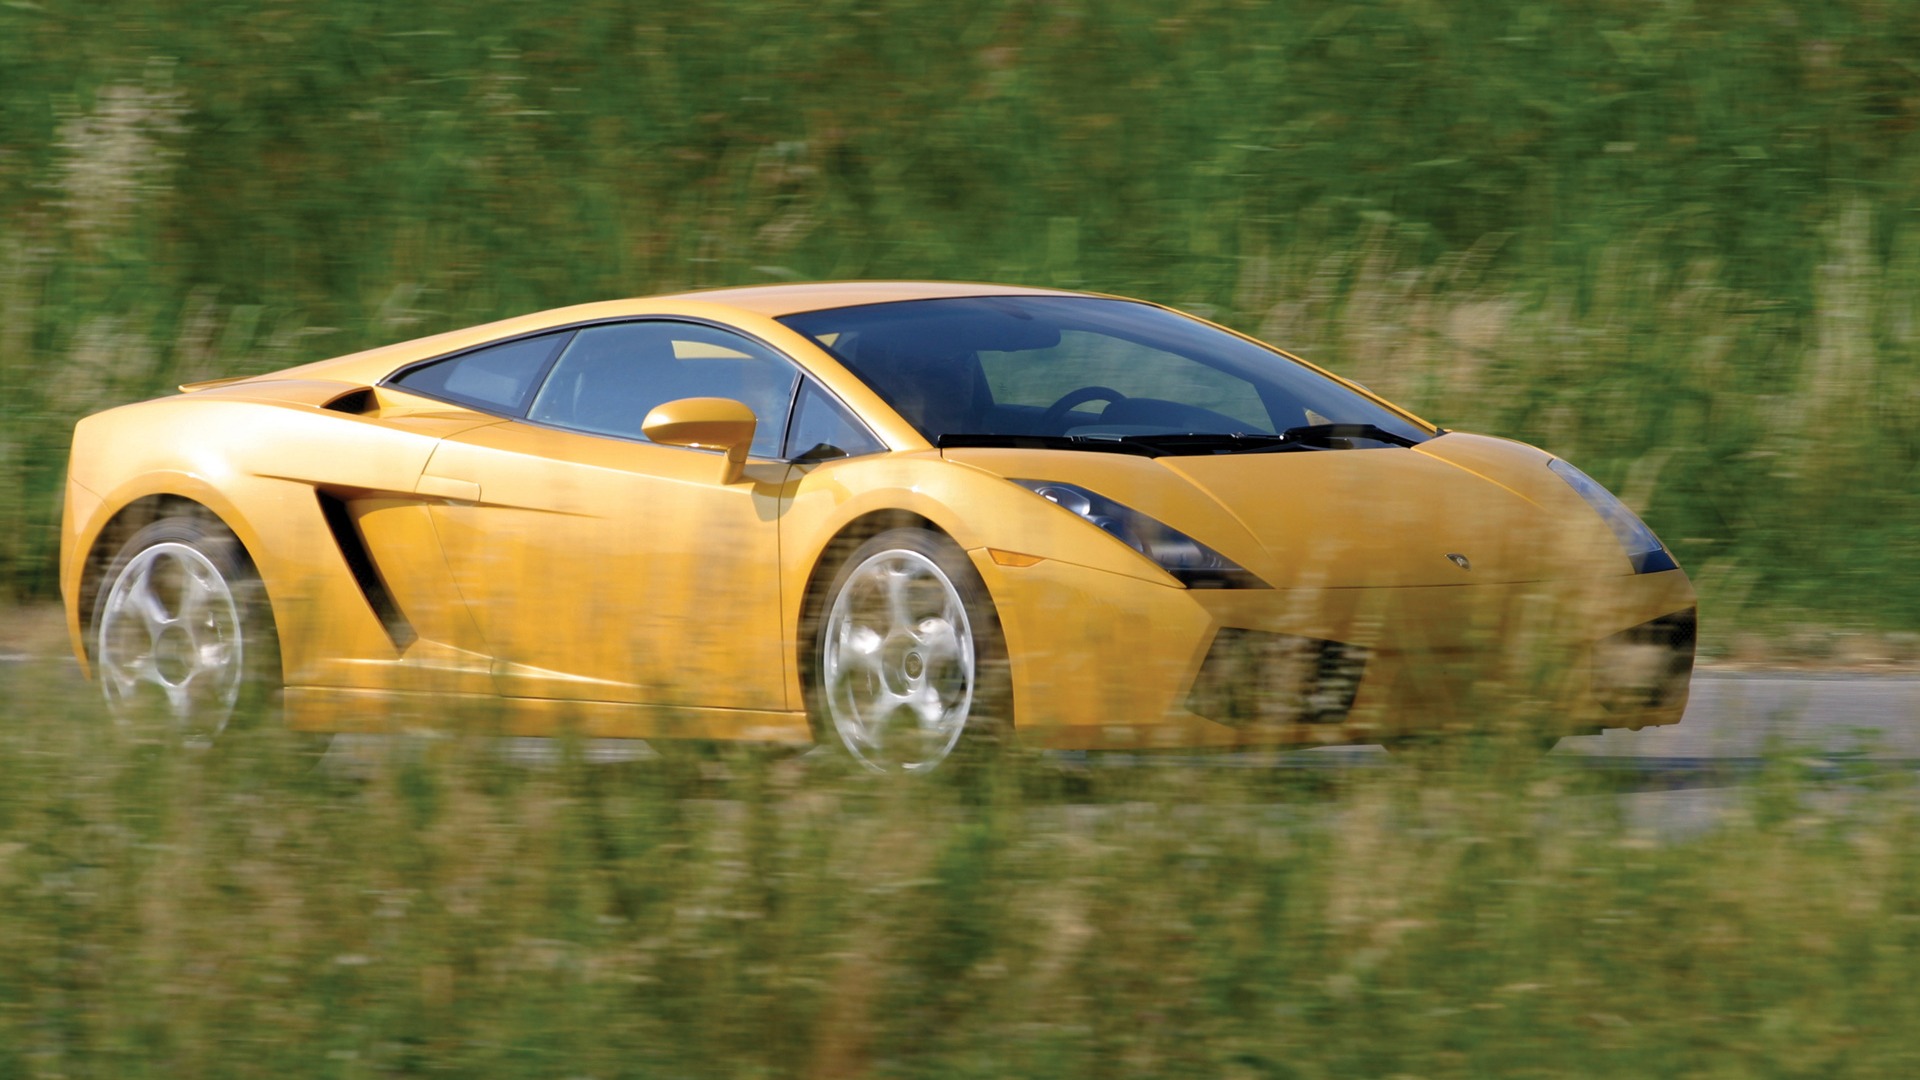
608	384
608	390
938	394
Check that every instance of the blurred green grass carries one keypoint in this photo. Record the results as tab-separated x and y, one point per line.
1673	243
432	907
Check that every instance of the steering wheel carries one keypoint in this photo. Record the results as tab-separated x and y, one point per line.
1057	412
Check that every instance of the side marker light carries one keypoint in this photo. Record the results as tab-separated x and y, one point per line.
1012	558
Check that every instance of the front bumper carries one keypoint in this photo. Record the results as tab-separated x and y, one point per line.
1104	661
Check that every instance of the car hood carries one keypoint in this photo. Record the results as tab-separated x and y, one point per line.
1390	517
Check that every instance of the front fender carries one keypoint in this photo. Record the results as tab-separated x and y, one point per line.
977	508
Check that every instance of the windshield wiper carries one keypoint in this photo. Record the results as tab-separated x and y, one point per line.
1188	443
1099	443
1324	435
1166	444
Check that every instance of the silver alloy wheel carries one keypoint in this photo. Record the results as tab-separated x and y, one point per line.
898	662
170	633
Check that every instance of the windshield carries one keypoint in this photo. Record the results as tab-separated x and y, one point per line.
1071	370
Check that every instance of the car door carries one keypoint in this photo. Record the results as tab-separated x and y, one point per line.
600	566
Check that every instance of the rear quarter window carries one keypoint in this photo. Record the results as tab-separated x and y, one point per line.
494	378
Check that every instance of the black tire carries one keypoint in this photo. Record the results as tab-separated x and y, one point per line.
865	686
181	628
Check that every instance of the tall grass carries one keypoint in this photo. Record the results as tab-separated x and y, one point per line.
235	912
1672	243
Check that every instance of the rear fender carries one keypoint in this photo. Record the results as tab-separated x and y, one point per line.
317	610
258	467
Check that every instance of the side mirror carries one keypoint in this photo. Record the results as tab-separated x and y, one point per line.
705	423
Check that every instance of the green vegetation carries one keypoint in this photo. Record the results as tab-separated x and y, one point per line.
434	909
1674	243
1677	244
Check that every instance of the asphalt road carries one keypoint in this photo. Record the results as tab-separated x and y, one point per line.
1690	776
1734	720
1733	715
1680	780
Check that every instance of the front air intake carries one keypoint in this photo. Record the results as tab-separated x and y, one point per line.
1255	679
1647	666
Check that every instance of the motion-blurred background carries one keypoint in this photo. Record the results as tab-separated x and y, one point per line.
1677	243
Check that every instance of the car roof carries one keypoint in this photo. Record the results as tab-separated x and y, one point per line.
775	301
766	301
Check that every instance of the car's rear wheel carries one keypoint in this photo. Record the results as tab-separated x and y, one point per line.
908	669
181	628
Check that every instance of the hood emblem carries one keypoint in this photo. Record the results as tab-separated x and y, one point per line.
1459	560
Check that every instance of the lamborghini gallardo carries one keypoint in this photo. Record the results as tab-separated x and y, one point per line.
903	520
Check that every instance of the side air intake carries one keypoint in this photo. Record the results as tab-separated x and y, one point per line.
353	547
1256	679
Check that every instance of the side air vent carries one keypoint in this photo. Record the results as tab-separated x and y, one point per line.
358	402
353	547
1255	679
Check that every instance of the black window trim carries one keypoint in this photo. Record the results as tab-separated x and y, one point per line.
540	375
793	409
391	381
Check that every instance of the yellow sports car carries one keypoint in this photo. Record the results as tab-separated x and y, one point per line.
906	519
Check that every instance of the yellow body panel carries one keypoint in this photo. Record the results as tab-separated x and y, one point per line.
1107	663
621	587
588	563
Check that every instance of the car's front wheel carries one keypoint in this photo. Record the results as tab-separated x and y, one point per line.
181	627
908	666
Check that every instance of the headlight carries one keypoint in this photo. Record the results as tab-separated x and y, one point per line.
1191	562
1643	548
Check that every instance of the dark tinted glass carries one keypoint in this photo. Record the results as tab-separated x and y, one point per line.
820	422
611	377
498	378
1065	365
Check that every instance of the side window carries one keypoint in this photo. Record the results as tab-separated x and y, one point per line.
822	425
610	377
497	378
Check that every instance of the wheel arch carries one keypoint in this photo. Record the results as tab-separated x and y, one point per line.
113	535
847	541
820	576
